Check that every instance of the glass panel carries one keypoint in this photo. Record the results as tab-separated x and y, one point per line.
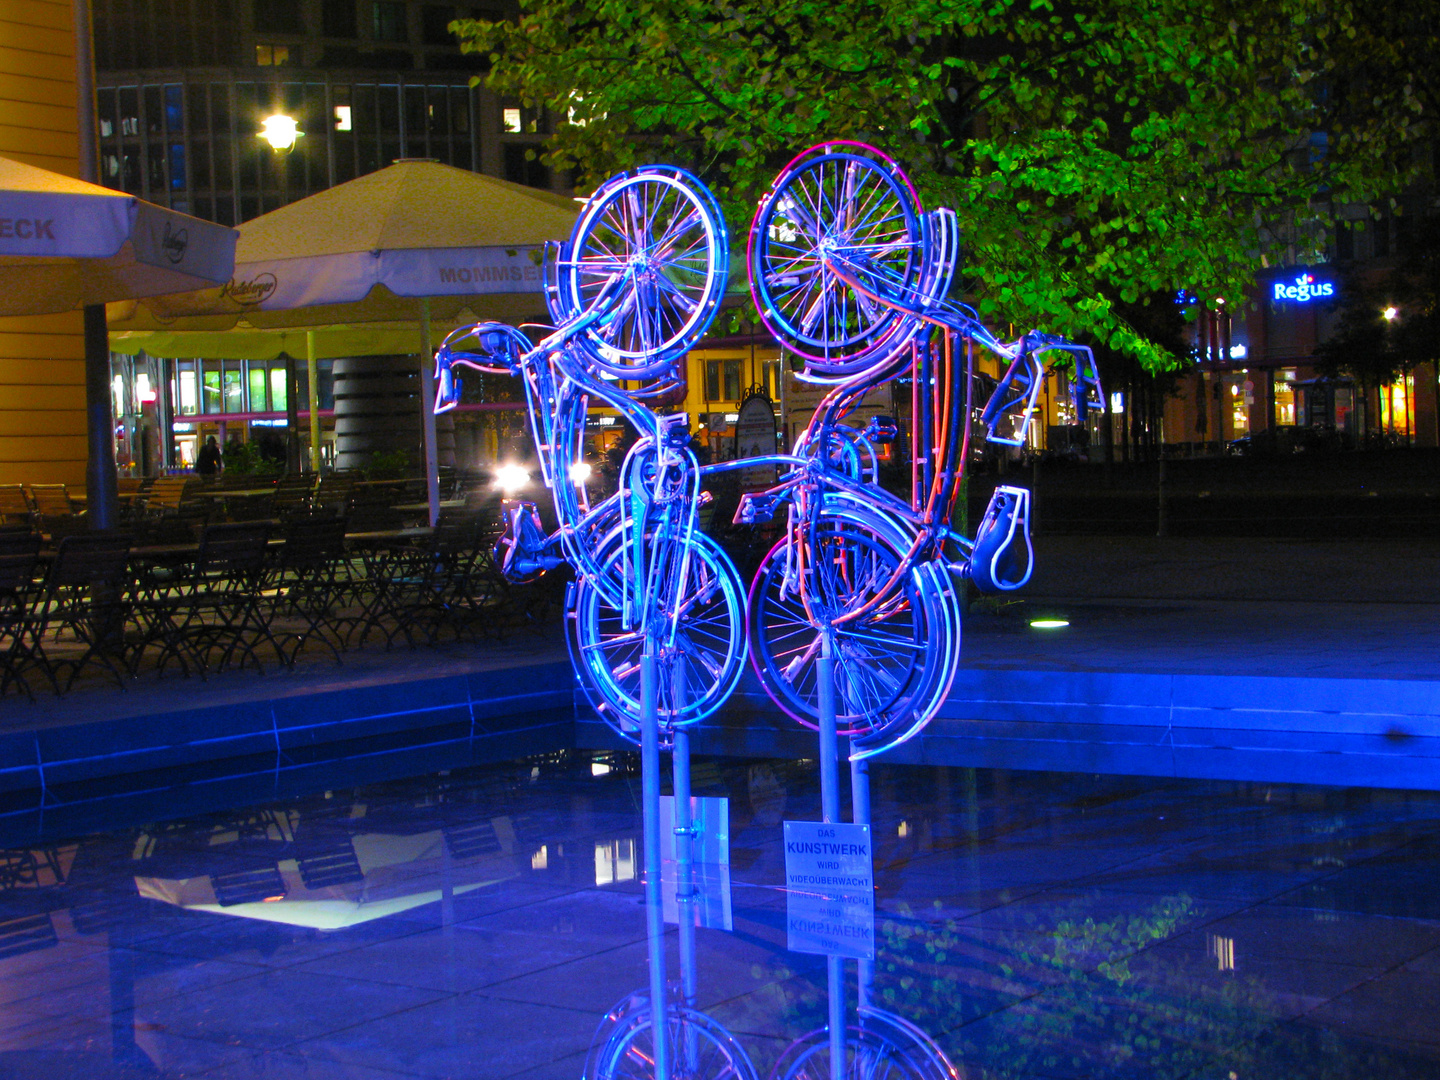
256	374
389	21
234	400
732	380
177	166
712	380
210	392
187	388
277	389
154	111
174	109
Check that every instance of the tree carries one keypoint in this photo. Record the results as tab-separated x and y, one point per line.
1096	151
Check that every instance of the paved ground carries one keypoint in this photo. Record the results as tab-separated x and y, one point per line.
1351	609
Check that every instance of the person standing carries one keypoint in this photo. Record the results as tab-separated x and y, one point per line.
210	462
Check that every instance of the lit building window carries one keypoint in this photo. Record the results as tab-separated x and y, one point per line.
272	55
511	119
614	862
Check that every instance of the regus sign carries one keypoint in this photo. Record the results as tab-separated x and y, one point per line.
1305	289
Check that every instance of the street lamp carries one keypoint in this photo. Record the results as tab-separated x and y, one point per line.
1390	312
280	131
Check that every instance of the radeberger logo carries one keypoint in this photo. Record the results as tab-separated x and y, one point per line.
249	293
1305	289
174	242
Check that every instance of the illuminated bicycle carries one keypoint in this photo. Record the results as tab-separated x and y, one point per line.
852	276
632	290
879	1046
699	1048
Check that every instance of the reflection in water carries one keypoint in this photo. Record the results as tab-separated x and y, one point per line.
699	1048
451	925
879	1046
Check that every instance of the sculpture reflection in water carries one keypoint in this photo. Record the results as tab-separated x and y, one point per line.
655	620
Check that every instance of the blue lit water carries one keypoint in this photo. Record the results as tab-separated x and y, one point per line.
478	923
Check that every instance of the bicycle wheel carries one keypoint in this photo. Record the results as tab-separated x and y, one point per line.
652	242
882	1047
892	666
698	675
836	202
699	1049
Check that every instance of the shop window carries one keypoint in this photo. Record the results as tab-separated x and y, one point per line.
1285	397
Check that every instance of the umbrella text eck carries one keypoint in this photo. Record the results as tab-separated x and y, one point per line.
67	244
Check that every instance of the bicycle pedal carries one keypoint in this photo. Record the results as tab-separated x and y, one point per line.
756	509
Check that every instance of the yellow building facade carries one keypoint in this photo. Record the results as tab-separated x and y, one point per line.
42	358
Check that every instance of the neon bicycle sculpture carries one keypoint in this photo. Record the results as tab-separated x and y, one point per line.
635	287
655	619
852	277
853	619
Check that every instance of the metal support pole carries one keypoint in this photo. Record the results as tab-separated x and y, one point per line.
860	812
686	1053
312	375
830	812
650	798
1162	527
100	485
427	414
829	750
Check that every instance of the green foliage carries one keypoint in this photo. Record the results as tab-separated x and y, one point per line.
246	459
1096	151
387	465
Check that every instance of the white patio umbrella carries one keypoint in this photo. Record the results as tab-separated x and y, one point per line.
65	244
414	241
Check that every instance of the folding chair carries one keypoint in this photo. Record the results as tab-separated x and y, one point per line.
85	592
309	583
218	605
19	554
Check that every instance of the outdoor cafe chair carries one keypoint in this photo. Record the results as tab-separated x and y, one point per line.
19	555
215	608
309	584
15	506
51	500
437	582
84	597
292	496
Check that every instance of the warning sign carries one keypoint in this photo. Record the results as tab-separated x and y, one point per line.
830	889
